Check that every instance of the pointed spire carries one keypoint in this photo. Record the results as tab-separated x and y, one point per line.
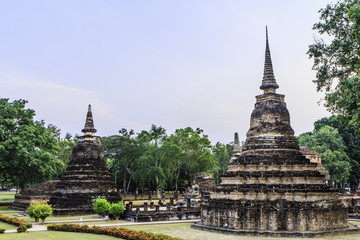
237	147
89	128
268	79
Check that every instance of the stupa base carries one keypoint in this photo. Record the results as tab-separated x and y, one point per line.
349	230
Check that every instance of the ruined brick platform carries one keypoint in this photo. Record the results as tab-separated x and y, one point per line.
86	177
37	194
270	187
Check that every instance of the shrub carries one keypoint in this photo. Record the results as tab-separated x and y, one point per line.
30	211
22	228
42	211
101	206
117	209
111	231
14	221
2	230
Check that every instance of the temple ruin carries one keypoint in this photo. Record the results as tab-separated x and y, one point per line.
270	187
86	177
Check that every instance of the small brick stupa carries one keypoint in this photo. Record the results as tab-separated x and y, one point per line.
86	177
270	188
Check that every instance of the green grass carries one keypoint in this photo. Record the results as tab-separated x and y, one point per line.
51	235
7	226
6	209
68	218
7	196
183	230
355	223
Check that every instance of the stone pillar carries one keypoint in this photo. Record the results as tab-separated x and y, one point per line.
188	203
172	201
163	195
151	204
150	196
176	195
157	208
145	206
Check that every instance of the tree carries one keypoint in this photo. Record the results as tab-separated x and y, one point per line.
329	145
156	160
40	211
121	152
117	209
27	147
195	150
351	141
65	147
337	63
222	154
101	206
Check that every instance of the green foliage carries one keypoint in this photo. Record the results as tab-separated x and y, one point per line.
27	147
41	211
153	160
329	145
101	206
21	228
337	63
222	154
2	230
351	141
121	152
196	151
117	209
65	148
31	211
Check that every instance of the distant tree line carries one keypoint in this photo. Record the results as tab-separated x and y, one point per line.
31	152
153	160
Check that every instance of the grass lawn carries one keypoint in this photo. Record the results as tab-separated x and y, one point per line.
52	235
6	209
7	196
68	218
7	226
183	230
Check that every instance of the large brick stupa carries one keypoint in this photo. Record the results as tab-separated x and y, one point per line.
86	177
270	188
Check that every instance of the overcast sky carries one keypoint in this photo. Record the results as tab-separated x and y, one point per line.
196	63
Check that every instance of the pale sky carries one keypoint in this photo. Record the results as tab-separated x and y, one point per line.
196	63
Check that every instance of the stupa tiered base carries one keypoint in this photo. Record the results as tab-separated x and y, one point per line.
86	177
270	188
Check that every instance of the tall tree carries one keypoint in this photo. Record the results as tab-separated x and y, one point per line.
28	149
196	152
337	61
222	154
155	160
351	141
329	145
121	153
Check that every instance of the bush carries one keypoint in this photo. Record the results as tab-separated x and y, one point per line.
2	230
14	221
117	209
101	206
30	211
111	231
22	228
42	211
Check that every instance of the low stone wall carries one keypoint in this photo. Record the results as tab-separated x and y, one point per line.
149	212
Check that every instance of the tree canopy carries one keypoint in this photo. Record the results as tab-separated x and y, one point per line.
28	149
336	59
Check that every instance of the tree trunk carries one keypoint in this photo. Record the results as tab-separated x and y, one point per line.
158	195
124	184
